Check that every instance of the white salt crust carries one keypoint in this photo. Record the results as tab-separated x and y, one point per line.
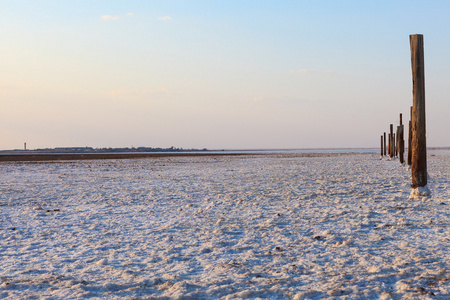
254	227
420	192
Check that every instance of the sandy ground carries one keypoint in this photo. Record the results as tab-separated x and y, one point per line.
242	227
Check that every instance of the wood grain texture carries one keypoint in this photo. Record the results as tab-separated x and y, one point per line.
418	142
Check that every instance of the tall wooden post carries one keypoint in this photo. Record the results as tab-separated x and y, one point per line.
418	143
384	137
409	136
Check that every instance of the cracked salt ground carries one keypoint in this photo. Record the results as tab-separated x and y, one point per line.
250	227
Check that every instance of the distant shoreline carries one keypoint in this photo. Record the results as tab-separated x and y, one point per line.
43	157
96	156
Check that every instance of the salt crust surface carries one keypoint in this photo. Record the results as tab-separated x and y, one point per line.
250	227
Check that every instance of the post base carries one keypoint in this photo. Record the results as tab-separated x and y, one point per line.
420	192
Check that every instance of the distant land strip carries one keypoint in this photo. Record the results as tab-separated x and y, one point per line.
96	156
114	156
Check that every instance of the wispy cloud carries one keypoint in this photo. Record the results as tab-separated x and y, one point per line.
110	18
115	18
165	18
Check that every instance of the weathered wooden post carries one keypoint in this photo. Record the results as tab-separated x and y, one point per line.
397	142
401	142
389	144
393	145
384	136
381	148
391	152
418	143
409	136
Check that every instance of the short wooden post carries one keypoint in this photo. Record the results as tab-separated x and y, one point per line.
394	153
389	144
381	147
401	145
409	136
391	148
401	142
384	137
418	143
397	142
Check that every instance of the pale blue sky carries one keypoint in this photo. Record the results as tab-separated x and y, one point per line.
217	74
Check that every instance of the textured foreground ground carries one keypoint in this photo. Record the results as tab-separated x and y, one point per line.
272	226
